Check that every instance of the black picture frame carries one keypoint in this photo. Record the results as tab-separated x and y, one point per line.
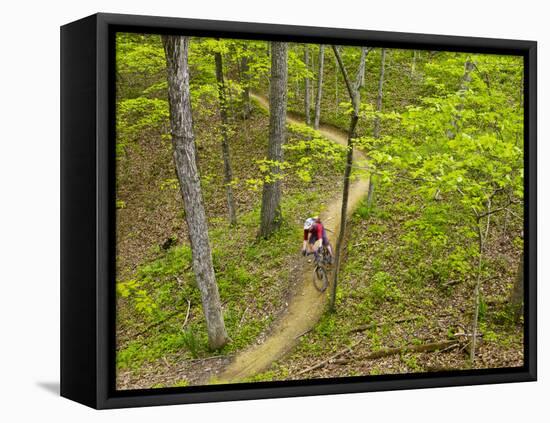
88	211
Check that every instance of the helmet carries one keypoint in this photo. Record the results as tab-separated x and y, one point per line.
308	223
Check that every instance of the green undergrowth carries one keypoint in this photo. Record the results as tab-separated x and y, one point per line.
407	282
252	275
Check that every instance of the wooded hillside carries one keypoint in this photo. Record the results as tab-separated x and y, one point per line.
412	159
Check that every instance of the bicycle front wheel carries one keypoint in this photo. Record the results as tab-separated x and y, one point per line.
320	278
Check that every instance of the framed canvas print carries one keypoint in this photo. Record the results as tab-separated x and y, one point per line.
256	211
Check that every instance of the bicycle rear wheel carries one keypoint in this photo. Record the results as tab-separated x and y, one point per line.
320	278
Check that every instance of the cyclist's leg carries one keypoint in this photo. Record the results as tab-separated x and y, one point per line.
311	242
309	246
314	244
326	242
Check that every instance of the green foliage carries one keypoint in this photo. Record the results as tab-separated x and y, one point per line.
312	148
181	383
137	115
482	308
138	54
142	300
411	362
363	210
260	377
327	327
383	288
171	183
171	264
192	342
138	352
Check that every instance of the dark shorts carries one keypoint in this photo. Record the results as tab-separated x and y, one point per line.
313	237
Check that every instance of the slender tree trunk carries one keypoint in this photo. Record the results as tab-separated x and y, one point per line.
312	66
307	90
363	67
376	130
516	297
476	295
319	87
176	48
336	81
245	83
482	240
347	173
227	171
360	78
379	97
370	195
413	65
271	196
466	79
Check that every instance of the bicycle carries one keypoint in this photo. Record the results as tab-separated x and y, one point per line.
320	271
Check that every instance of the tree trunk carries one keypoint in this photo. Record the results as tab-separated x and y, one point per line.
376	132
370	195
482	239
360	78
413	65
176	48
227	172
307	90
245	83
363	67
516	297
349	162
271	196
466	79
477	294
319	87
336	82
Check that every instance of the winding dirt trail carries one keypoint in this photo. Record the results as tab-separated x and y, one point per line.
306	306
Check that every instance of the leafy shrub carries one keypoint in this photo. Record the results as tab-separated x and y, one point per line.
383	288
363	211
191	341
138	352
181	383
482	308
142	301
170	265
327	326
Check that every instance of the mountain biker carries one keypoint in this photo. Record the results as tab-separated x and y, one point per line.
315	235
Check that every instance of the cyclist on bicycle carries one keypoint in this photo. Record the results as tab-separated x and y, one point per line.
315	235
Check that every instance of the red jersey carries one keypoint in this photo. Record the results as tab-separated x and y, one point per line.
316	228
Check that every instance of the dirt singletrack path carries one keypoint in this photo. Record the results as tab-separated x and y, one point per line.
306	306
